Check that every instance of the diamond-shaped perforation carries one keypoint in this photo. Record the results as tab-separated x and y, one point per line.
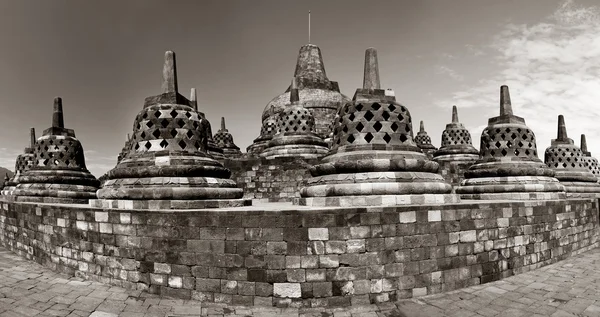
368	137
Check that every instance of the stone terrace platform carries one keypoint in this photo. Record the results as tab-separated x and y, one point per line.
567	288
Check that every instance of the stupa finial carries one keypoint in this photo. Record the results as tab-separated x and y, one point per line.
193	100
32	137
223	124
422	127
583	144
454	114
294	95
371	76
57	116
562	129
169	84
505	104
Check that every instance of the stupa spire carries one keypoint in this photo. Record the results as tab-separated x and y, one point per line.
223	124
505	104
294	95
562	129
454	114
193	100
32	138
422	127
371	75
169	84
583	146
310	63
57	116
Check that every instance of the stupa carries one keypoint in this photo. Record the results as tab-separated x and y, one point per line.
167	166
211	146
374	159
509	167
23	163
316	93
267	131
423	141
295	136
58	173
125	149
590	162
224	140
456	142
568	161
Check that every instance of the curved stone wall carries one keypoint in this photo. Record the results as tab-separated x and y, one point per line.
301	256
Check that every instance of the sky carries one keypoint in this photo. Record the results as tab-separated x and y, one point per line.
103	57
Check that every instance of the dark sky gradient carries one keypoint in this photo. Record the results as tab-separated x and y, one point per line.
103	57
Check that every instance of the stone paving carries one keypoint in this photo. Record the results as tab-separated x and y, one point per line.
568	288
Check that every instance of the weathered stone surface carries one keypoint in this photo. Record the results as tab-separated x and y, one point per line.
224	140
23	163
590	162
508	163
423	141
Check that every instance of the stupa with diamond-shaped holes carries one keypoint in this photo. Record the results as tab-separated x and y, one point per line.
23	163
211	146
295	136
224	140
373	158
509	167
423	141
58	173
590	162
456	142
570	165
168	166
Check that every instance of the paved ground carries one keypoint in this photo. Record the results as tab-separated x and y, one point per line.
567	288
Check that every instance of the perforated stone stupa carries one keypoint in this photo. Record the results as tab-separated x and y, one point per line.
374	159
509	167
456	142
423	141
568	161
316	93
58	173
590	162
267	131
23	163
295	135
224	140
206	129
167	166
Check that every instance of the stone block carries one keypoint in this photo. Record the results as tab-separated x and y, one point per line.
287	290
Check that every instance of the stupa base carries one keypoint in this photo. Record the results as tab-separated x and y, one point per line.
377	200
511	188
297	150
515	196
582	189
462	158
168	204
8	190
50	200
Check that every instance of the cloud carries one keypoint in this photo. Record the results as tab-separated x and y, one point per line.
445	70
552	67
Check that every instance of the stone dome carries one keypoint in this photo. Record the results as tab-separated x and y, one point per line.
224	140
456	139
23	163
590	162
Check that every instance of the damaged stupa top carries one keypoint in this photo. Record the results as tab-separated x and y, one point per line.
456	142
224	140
23	163
295	136
373	158
168	166
316	92
509	167
590	162
58	173
568	161
423	141
209	143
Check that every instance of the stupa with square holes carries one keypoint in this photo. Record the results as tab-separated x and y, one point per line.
509	167
569	163
374	159
168	166
23	163
58	173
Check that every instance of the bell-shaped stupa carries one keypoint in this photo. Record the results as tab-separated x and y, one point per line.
590	162
224	140
58	173
423	141
206	129
125	149
295	136
267	131
569	163
316	93
23	163
373	158
167	166
509	167
456	142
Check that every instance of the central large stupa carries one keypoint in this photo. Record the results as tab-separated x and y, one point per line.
373	158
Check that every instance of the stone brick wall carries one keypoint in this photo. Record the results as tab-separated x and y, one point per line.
454	171
270	180
309	258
